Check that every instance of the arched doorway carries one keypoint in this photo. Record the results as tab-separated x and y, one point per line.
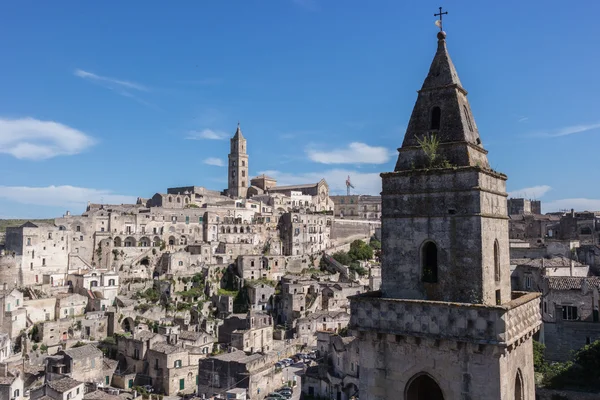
423	387
127	324
519	386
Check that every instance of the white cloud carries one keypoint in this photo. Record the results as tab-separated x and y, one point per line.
569	130
534	192
578	204
214	161
364	183
62	196
207	134
32	139
522	119
110	81
355	153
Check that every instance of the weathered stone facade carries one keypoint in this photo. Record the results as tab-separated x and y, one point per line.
238	166
445	324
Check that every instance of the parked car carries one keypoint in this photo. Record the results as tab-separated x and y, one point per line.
285	389
279	364
276	395
287	394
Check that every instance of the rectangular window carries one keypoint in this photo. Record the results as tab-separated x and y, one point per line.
130	384
181	384
107	380
93	363
528	281
569	313
200	219
187	220
498	297
78	228
43	261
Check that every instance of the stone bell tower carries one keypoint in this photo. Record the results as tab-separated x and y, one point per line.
238	166
445	324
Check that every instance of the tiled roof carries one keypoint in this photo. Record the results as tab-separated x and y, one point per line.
100	395
553	262
571	283
6	380
166	348
64	384
83	352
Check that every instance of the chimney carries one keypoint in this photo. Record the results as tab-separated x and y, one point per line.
572	213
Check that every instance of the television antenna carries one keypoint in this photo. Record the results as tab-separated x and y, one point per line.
348	186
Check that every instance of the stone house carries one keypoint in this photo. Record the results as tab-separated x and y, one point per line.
11	387
201	340
338	371
85	364
254	372
60	388
260	295
334	296
54	333
257	335
328	321
357	207
94	325
527	274
69	305
37	249
583	226
251	267
172	369
132	351
13	316
40	310
304	233
100	287
570	311
5	347
297	296
533	227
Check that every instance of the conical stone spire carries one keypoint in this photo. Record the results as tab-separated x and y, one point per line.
238	133
442	112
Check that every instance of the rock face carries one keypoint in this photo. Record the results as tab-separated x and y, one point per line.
445	324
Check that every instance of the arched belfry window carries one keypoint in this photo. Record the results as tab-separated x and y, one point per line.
436	116
497	261
429	262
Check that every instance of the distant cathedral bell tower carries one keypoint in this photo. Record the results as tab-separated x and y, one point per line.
238	166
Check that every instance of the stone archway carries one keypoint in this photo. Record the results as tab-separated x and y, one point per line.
423	387
127	324
519	391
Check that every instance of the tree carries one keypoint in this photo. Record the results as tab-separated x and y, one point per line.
374	243
359	250
342	257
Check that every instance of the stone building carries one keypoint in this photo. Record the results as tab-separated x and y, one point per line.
522	206
11	387
257	336
238	166
357	207
583	226
533	227
251	267
60	388
13	315
84	364
335	295
570	311
172	369
318	191
69	305
338	371
304	233
528	274
35	250
445	324
260	295
320	321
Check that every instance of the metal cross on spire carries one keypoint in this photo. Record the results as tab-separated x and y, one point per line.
439	22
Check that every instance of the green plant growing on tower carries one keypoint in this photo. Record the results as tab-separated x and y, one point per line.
430	145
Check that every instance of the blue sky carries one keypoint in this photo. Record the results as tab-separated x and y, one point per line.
108	101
